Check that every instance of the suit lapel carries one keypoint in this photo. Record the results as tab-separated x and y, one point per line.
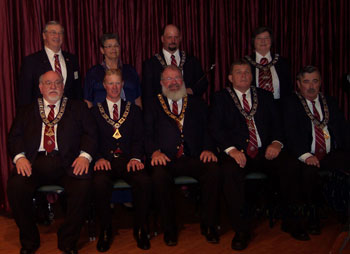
69	70
44	60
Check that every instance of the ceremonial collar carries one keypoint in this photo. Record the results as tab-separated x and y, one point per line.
254	107
163	63
58	116
179	118
260	66
316	122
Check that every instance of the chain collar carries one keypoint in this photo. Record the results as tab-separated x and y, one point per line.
163	63
59	115
113	123
179	118
260	66
239	106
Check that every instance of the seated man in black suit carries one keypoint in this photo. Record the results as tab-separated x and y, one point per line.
121	149
316	134
246	128
193	75
177	143
51	57
270	71
51	141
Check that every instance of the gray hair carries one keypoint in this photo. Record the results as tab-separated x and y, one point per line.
52	22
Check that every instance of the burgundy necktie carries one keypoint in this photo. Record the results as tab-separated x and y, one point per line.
49	133
175	111
320	145
265	77
252	149
57	65
173	60
115	112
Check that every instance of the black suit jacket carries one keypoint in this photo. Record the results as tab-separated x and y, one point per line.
283	73
192	73
132	137
37	64
76	132
298	126
162	132
229	128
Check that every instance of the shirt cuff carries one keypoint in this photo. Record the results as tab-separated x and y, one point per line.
304	156
135	159
278	142
85	155
227	150
17	157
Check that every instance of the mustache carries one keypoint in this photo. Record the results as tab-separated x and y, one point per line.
311	90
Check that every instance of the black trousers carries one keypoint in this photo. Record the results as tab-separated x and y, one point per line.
21	189
206	173
283	170
310	178
103	187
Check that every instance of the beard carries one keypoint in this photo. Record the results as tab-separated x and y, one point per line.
177	95
172	47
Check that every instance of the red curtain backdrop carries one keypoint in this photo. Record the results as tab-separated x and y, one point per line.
218	31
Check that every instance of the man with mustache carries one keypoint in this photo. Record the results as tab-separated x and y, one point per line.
51	57
316	134
51	141
178	143
270	71
246	127
196	82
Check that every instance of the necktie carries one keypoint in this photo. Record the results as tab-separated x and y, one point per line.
173	60
180	148
175	108
115	112
49	133
265	77
252	149
57	65
320	145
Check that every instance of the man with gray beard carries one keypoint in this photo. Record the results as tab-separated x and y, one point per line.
177	144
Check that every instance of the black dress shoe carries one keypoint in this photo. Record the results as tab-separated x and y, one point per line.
210	233
296	230
141	238
105	239
27	251
240	240
170	238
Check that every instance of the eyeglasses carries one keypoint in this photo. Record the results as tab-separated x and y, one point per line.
48	83
54	33
171	79
111	46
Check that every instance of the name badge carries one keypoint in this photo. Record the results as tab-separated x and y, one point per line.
76	75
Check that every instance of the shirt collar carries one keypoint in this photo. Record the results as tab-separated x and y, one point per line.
258	57
57	104
167	55
52	54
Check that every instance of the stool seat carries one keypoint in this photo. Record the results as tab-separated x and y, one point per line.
255	176
51	188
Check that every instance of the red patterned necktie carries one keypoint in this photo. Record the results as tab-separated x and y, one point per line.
173	60
115	112
265	77
175	111
320	145
252	149
49	133
57	65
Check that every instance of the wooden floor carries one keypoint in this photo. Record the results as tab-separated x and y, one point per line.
266	240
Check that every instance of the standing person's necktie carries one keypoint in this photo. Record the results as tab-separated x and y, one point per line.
320	145
57	64
49	133
173	60
252	149
265	77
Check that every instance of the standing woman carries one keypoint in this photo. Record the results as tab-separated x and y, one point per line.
94	91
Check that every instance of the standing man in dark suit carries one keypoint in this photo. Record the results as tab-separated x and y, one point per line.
245	126
49	58
120	154
51	141
316	135
196	82
177	143
270	71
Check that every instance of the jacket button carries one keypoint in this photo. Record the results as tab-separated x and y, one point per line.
247	140
177	147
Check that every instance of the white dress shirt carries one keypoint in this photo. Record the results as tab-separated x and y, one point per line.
167	57
304	156
51	55
110	105
179	107
275	80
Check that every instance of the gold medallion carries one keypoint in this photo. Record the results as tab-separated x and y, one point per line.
326	136
117	134
50	132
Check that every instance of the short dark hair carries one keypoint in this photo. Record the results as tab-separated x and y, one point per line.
240	61
307	69
261	30
52	22
108	36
